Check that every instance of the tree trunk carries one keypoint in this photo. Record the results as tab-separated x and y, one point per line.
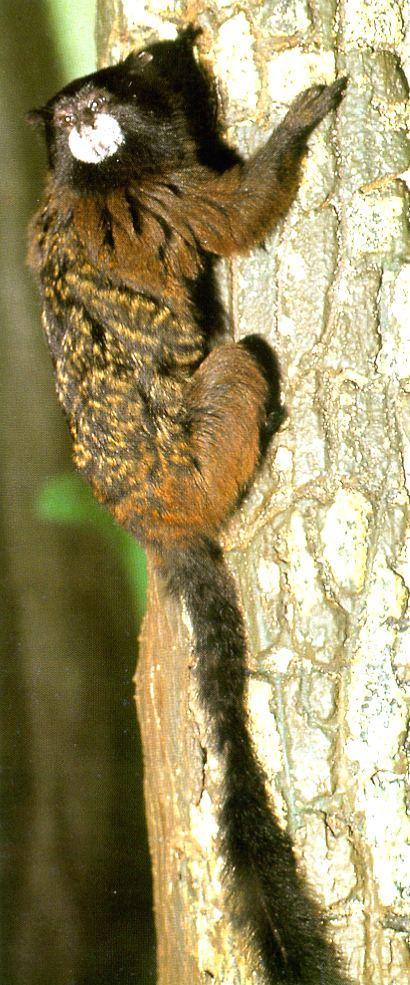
321	547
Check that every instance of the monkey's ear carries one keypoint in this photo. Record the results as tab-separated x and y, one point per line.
189	34
36	117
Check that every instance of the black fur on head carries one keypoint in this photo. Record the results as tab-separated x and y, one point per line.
162	116
115	124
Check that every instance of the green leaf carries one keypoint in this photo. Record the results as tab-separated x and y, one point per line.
66	499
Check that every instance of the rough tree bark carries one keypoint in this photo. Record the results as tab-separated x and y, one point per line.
321	548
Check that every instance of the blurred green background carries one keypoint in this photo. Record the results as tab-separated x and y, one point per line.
76	892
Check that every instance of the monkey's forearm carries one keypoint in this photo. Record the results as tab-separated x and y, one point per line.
241	206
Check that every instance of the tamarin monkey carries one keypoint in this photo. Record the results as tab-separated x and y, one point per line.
166	428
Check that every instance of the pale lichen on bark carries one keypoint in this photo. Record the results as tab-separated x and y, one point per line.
321	549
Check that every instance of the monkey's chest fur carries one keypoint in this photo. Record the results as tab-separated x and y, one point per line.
123	357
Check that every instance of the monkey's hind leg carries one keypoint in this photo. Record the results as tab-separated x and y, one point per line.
267	362
233	408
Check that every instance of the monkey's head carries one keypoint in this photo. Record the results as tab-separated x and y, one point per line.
118	124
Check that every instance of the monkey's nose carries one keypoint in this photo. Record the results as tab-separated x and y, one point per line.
87	118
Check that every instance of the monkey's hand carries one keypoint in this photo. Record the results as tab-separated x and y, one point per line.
308	109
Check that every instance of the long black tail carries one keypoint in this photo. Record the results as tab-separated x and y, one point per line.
270	902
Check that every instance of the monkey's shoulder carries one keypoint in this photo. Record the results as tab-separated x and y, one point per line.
142	240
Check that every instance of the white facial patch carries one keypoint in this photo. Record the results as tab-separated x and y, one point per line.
94	144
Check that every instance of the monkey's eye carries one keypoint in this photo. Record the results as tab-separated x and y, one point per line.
144	57
96	103
69	118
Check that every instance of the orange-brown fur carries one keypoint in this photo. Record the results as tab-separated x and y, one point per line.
225	443
225	398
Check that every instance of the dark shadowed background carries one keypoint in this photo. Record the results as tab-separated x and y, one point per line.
76	894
